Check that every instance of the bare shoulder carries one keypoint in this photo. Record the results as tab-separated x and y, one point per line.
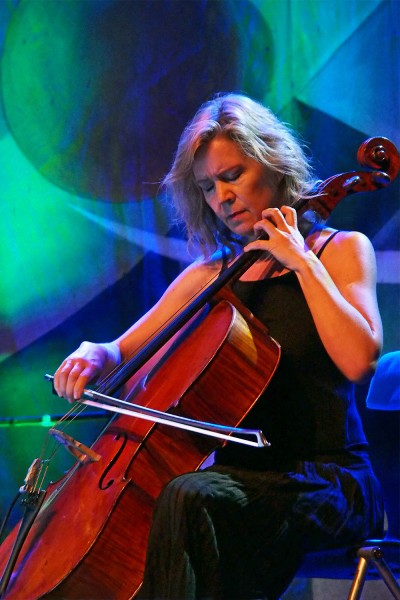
333	240
352	242
185	288
193	280
349	254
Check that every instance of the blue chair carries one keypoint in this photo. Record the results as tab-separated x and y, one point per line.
377	558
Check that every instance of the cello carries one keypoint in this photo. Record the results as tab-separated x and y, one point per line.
73	549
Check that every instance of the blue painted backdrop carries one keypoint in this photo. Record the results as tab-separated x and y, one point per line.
94	97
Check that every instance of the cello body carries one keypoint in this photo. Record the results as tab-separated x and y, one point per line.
90	536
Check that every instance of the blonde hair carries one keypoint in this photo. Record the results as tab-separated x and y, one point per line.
260	135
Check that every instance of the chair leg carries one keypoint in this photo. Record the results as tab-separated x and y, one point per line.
388	577
372	554
359	579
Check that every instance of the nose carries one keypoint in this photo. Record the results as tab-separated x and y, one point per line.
223	192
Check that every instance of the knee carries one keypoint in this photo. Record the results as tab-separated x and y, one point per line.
178	508
181	489
186	495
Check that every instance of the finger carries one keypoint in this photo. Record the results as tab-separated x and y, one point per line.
256	245
290	215
61	377
263	230
272	221
78	377
265	225
276	217
272	214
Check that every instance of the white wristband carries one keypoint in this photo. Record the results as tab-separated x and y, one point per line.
114	357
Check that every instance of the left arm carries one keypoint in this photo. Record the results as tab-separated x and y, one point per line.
340	290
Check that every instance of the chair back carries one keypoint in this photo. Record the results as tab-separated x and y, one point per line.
381	419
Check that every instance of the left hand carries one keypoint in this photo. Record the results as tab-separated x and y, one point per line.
285	242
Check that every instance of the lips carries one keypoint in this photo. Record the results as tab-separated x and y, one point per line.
233	216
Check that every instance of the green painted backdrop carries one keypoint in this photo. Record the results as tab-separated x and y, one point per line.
94	96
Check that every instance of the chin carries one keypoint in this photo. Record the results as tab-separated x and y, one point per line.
247	235
242	230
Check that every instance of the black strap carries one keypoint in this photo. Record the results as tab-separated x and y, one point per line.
320	251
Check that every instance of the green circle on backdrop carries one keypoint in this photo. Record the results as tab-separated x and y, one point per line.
96	93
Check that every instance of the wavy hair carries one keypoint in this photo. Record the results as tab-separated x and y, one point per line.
260	135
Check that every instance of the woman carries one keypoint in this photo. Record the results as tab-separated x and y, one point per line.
240	528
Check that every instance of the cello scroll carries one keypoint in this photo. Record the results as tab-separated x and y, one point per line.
378	154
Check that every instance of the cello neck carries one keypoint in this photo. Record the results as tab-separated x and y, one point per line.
379	154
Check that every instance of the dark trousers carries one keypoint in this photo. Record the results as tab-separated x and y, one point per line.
227	533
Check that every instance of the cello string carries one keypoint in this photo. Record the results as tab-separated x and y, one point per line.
64	422
298	204
50	446
41	476
109	377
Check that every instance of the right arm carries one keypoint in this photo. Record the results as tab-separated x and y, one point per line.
92	360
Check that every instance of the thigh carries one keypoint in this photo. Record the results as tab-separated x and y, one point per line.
336	505
223	533
232	533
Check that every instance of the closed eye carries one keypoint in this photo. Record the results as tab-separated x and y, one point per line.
231	175
206	187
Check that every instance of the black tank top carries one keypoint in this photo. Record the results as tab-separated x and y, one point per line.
308	411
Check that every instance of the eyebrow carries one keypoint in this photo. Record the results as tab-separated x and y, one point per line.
221	173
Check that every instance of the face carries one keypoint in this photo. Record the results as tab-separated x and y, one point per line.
236	187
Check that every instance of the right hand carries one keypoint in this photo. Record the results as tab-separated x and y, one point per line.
78	369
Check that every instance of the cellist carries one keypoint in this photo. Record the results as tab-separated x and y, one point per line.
239	528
